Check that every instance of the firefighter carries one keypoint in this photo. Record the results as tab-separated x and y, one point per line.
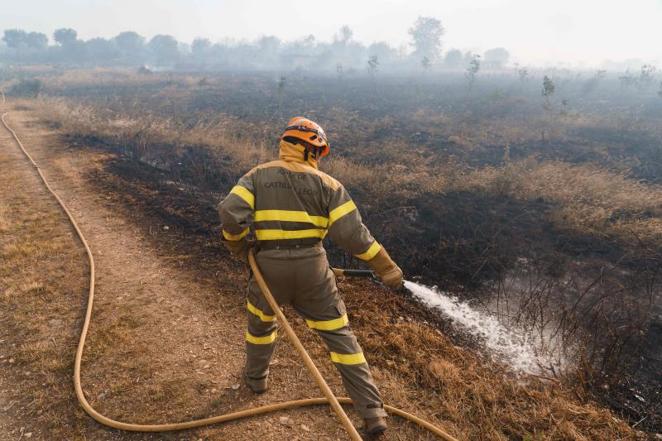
291	206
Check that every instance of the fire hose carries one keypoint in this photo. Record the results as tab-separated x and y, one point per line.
329	397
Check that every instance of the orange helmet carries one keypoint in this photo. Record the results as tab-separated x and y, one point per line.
309	132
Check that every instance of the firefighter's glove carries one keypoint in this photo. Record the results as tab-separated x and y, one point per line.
386	270
239	248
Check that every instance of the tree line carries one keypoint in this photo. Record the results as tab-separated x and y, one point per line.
342	54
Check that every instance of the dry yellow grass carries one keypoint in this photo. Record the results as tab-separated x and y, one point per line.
589	199
36	249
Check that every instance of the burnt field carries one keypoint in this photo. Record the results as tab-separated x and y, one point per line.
547	211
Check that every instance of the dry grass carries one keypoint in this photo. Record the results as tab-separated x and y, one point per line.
474	398
590	199
4	218
36	249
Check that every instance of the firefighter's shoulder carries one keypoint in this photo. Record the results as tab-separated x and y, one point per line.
297	167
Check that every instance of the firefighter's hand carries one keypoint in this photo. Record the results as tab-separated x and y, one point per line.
392	278
386	269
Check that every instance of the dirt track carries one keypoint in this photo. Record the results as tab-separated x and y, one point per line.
165	344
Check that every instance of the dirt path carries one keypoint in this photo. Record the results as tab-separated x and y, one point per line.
165	344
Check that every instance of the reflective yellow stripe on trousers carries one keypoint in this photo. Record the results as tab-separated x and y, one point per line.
259	313
348	359
329	325
266	340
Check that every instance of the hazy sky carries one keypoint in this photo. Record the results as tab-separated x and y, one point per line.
579	32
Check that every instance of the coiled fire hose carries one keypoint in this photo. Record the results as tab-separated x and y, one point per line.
329	398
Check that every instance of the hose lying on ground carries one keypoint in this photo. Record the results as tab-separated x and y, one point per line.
329	399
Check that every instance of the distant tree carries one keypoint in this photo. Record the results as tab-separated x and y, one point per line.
303	47
426	63
36	40
453	59
593	82
646	75
15	38
23	42
523	74
200	45
496	58
65	37
269	44
627	79
373	64
130	44
472	70
344	35
339	70
659	92
101	50
164	48
385	53
73	49
201	48
426	38
269	51
548	89
343	49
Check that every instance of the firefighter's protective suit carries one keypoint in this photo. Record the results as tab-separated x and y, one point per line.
292	206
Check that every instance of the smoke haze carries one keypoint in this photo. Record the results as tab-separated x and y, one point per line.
565	32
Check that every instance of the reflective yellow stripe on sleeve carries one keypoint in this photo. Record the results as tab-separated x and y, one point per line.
245	194
350	359
284	234
340	211
259	313
370	252
329	325
266	340
235	237
290	216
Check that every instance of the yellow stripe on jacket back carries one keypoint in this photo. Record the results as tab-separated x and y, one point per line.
285	234
291	216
